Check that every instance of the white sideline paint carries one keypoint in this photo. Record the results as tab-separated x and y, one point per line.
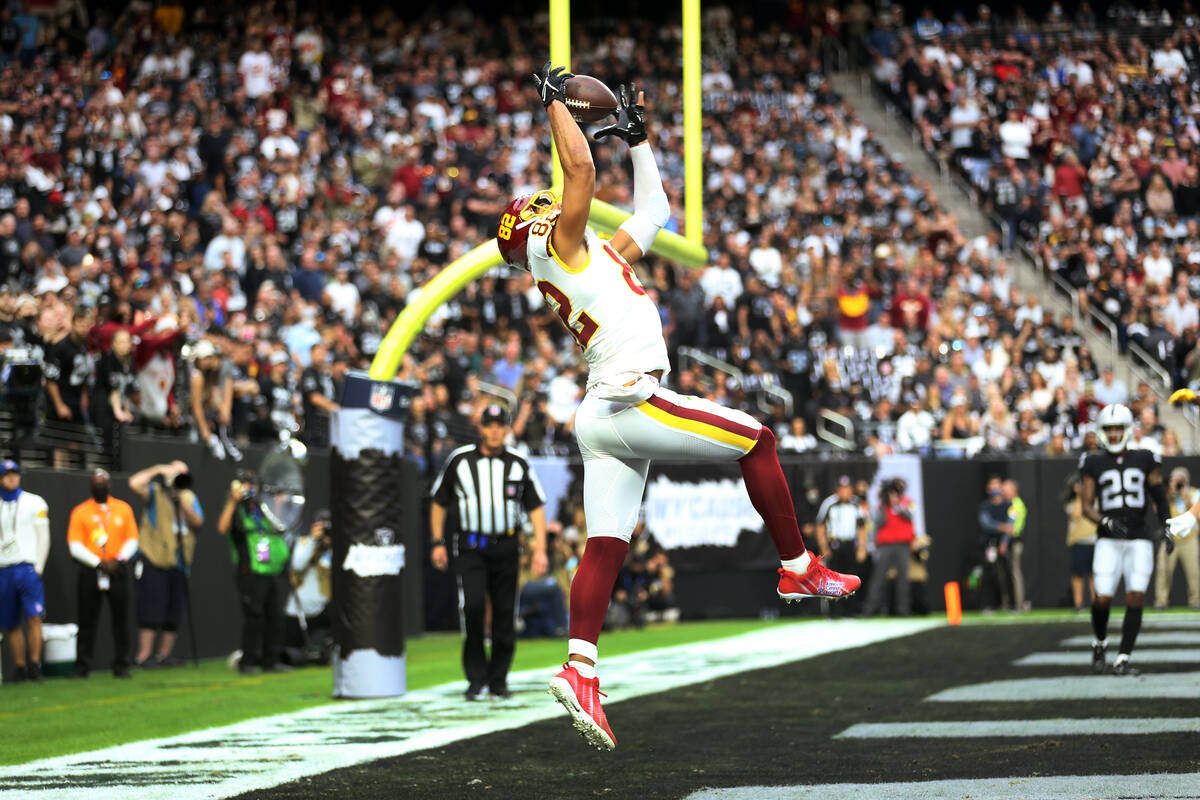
1144	640
1021	727
1161	655
1168	621
261	753
1175	685
1093	787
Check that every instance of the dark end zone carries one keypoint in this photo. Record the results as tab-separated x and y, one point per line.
776	727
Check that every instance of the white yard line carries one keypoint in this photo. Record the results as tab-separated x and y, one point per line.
1175	685
1021	727
1107	787
1144	640
1083	660
266	752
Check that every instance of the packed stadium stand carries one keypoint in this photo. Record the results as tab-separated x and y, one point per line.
262	186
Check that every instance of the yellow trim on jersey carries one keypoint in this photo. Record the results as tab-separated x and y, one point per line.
694	426
563	264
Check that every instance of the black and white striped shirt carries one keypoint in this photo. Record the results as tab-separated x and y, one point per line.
842	519
487	493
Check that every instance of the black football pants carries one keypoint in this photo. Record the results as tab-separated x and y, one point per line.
489	572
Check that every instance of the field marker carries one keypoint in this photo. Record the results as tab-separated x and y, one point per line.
1114	634
1150	655
1093	787
1175	685
1007	728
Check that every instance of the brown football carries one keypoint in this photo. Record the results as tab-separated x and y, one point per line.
589	100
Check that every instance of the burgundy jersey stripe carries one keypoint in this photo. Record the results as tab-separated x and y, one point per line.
697	415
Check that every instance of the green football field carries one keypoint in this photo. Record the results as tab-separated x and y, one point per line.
65	715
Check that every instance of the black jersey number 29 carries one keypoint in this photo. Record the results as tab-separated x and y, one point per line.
1122	488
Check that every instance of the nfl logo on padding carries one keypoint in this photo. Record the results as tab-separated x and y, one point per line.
382	395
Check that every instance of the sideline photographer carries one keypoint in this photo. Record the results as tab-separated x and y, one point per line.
167	546
1181	496
260	555
894	536
308	625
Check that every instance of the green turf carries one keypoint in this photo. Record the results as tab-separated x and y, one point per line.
64	716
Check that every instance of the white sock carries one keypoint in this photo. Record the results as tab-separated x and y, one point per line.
586	671
1097	642
798	565
1121	657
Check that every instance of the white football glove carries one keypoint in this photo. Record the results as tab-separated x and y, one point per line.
1181	526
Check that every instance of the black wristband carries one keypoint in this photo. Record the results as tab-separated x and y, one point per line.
437	543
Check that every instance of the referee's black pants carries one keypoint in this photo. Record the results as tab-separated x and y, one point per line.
488	572
843	558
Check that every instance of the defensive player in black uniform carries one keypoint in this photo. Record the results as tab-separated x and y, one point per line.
1116	483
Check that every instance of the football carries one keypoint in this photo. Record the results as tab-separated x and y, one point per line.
588	99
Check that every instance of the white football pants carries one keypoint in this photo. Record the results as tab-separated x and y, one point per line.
1113	559
618	439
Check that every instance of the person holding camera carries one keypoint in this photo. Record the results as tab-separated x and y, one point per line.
1181	496
166	547
102	537
260	555
895	533
312	587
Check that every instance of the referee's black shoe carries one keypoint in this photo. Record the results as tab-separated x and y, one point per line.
474	691
499	692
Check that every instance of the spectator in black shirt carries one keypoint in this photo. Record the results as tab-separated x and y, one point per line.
318	393
274	407
116	380
70	372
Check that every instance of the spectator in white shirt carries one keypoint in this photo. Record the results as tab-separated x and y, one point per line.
255	69
766	261
228	242
1015	136
1030	311
1109	390
342	296
914	429
963	119
405	235
1181	312
1158	266
798	439
721	279
1168	61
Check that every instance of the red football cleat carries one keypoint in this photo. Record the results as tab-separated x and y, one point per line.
581	698
819	581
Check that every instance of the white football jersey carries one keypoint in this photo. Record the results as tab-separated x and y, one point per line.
602	303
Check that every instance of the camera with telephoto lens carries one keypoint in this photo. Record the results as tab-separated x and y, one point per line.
249	482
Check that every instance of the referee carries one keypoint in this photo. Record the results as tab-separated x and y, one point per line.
842	533
482	490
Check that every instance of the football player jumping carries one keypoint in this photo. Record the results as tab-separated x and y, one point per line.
627	417
1115	488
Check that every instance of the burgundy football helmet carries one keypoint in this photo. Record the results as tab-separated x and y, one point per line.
512	233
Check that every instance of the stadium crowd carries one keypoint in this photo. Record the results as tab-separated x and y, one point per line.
1080	135
205	219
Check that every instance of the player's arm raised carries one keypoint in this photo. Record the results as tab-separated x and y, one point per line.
651	209
579	173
